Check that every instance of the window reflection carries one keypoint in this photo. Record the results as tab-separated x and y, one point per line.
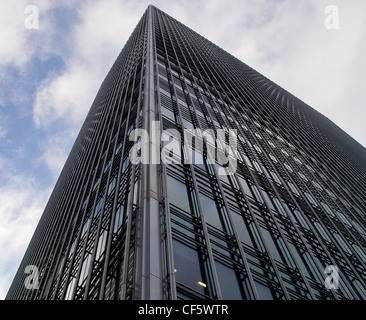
177	194
264	292
189	268
242	229
210	212
230	283
246	187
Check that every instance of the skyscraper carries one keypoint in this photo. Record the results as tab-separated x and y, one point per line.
155	202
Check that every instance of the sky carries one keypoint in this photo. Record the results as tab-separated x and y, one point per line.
52	67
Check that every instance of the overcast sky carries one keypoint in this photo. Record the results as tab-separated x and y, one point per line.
49	77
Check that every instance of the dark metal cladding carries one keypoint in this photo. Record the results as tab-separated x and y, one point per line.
294	206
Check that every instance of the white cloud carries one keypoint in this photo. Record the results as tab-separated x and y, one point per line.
3	124
324	68
22	203
2	132
66	96
56	148
96	40
12	33
18	44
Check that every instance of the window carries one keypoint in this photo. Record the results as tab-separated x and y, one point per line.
284	152
272	144
273	158
288	167
177	194
85	268
101	244
275	177
310	198
125	163
107	165
257	148
96	183
230	283
303	177
317	185
269	131
264	292
196	157
293	188
257	166
70	289
246	187
298	160
210	212
120	212
271	244
112	184
172	146
241	229
98	206
189	268
167	113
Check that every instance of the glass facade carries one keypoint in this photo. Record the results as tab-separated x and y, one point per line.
116	229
